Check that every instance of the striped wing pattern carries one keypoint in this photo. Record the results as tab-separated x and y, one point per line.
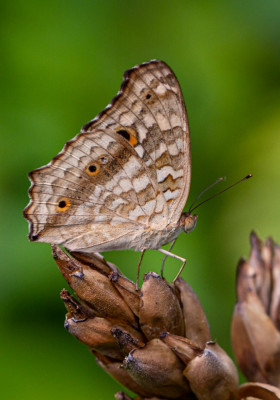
151	109
125	175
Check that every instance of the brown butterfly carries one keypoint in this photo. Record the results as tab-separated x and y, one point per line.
122	183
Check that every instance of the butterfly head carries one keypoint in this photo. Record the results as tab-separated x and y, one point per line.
188	221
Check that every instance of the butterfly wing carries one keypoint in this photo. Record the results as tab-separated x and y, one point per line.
126	174
96	195
149	112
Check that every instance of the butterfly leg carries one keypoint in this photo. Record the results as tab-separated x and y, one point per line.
167	253
138	268
165	257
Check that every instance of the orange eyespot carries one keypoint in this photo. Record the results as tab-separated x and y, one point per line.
92	169
63	204
133	140
129	134
147	96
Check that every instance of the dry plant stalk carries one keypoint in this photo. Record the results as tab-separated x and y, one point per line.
156	341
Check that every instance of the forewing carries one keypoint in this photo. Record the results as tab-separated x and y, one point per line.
149	112
93	195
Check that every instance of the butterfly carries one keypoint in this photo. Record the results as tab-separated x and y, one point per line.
121	183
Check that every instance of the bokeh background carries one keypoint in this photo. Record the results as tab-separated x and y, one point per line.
61	63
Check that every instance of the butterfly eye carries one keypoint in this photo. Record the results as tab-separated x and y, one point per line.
129	134
63	204
92	169
148	96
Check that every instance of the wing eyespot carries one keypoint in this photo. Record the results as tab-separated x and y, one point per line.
124	134
129	134
92	169
103	160
63	204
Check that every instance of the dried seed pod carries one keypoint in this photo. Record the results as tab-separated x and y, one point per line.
96	261
184	348
212	375
116	370
127	290
160	310
256	341
245	280
126	341
255	332
196	324
75	309
261	391
156	368
96	334
260	261
93	288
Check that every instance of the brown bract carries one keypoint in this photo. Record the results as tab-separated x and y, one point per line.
160	310
261	391
212	375
255	324
156	368
196	324
93	287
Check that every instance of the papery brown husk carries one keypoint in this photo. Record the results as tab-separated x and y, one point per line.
156	342
261	391
255	332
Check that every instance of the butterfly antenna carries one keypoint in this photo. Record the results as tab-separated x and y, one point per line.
205	190
217	194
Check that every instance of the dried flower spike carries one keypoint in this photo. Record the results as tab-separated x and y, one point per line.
255	324
154	342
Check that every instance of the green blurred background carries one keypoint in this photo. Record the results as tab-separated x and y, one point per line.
61	63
